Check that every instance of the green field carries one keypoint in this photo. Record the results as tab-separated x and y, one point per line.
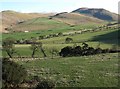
88	71
104	38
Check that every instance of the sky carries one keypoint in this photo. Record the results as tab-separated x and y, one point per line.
46	6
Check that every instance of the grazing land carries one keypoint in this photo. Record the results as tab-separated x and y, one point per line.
91	38
39	39
88	71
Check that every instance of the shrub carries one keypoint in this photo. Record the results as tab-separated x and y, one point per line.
66	51
77	51
83	51
68	40
98	50
12	73
45	84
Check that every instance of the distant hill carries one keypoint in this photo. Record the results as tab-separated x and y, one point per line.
10	18
76	19
98	13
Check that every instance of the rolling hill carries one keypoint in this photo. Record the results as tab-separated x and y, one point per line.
76	19
97	13
40	23
60	20
10	18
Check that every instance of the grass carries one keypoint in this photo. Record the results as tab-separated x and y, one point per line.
59	42
92	71
84	37
37	33
44	26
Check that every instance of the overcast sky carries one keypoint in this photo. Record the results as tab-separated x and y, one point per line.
56	5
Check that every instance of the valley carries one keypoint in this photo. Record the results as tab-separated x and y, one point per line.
35	42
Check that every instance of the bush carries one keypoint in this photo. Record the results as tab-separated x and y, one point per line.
66	51
12	73
83	51
45	84
98	50
77	51
8	46
68	40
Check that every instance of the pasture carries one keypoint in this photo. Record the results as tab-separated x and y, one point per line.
88	71
99	70
93	39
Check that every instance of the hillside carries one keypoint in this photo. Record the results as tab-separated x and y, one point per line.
76	19
40	23
16	21
10	18
60	20
97	13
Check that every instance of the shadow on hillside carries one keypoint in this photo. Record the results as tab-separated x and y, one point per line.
109	38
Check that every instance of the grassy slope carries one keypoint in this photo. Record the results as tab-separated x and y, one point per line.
39	24
92	71
59	42
77	19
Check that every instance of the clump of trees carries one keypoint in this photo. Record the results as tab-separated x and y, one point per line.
12	74
85	50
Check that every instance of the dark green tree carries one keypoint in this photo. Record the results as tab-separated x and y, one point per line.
8	46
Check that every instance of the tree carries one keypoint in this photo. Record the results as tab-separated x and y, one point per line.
8	46
12	73
68	40
35	46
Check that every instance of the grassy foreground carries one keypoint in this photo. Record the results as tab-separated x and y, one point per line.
88	71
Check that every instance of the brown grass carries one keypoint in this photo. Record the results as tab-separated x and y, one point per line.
76	19
10	18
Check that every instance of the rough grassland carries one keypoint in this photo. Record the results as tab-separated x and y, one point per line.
91	71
